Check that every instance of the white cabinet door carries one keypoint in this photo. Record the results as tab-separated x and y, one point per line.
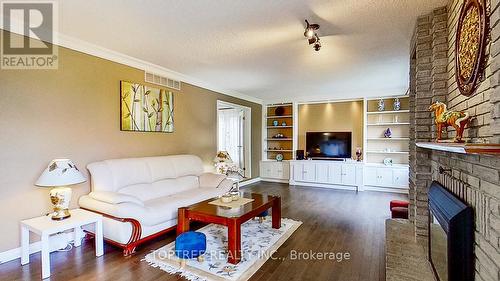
384	176
298	172
276	170
370	175
400	177
309	172
335	173
266	169
281	170
349	174
322	173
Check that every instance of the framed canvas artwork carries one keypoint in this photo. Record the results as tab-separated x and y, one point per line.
145	109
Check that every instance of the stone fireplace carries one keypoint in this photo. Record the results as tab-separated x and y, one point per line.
432	78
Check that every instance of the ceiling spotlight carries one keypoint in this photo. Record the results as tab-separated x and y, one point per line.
310	28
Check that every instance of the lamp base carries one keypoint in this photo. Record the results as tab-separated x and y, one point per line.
60	198
61	214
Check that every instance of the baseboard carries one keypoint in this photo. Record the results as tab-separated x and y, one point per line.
275	180
386	189
322	185
15	253
250	181
57	242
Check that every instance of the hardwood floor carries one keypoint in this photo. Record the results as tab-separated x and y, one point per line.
333	221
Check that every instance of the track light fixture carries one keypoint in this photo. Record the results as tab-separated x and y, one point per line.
311	35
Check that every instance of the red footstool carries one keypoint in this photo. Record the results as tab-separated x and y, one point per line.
398	203
399	209
399	213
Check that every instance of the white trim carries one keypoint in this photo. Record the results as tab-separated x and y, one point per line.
247	142
101	52
340	96
250	181
57	242
386	189
275	180
329	101
15	253
325	185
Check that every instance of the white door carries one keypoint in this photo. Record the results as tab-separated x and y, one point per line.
309	172
233	134
322	173
349	174
265	169
370	175
335	174
384	177
298	172
400	177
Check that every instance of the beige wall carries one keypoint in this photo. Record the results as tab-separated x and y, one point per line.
74	112
332	117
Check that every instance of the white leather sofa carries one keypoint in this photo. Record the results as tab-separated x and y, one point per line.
139	197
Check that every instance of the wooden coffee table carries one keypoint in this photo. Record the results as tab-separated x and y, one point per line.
232	218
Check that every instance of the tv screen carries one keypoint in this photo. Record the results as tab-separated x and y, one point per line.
328	144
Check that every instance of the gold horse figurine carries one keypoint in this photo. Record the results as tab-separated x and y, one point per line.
445	118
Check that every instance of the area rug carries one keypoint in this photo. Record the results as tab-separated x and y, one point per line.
258	242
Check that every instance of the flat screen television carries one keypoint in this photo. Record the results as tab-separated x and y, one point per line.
328	145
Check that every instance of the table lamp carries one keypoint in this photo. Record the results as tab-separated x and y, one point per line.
59	175
222	159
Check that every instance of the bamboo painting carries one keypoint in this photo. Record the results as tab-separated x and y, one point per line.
146	109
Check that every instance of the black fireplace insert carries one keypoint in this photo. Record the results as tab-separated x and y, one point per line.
451	235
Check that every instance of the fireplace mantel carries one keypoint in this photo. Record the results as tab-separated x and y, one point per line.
462	148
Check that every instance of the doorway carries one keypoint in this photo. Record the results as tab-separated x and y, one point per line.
234	134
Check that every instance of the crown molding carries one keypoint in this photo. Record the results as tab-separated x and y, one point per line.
85	47
339	97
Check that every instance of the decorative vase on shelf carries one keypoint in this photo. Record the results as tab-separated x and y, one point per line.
275	123
397	104
279	157
381	105
358	154
388	161
388	133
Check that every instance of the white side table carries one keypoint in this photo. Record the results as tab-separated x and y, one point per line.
45	226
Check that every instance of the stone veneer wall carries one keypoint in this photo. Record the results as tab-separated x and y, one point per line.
434	79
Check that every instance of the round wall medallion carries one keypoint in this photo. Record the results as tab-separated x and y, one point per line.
470	45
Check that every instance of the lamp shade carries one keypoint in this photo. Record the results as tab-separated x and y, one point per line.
60	172
223	157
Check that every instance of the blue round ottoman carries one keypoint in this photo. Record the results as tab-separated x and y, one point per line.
190	245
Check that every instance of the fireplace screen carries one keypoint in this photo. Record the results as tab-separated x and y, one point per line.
451	239
439	248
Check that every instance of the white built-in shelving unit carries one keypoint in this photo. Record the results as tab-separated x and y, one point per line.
377	147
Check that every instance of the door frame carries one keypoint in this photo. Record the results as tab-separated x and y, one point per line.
247	140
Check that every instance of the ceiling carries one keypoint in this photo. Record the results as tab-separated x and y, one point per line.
256	47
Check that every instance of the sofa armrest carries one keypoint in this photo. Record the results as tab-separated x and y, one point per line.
211	179
115	197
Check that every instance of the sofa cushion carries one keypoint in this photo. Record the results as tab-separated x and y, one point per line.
161	188
115	198
154	211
